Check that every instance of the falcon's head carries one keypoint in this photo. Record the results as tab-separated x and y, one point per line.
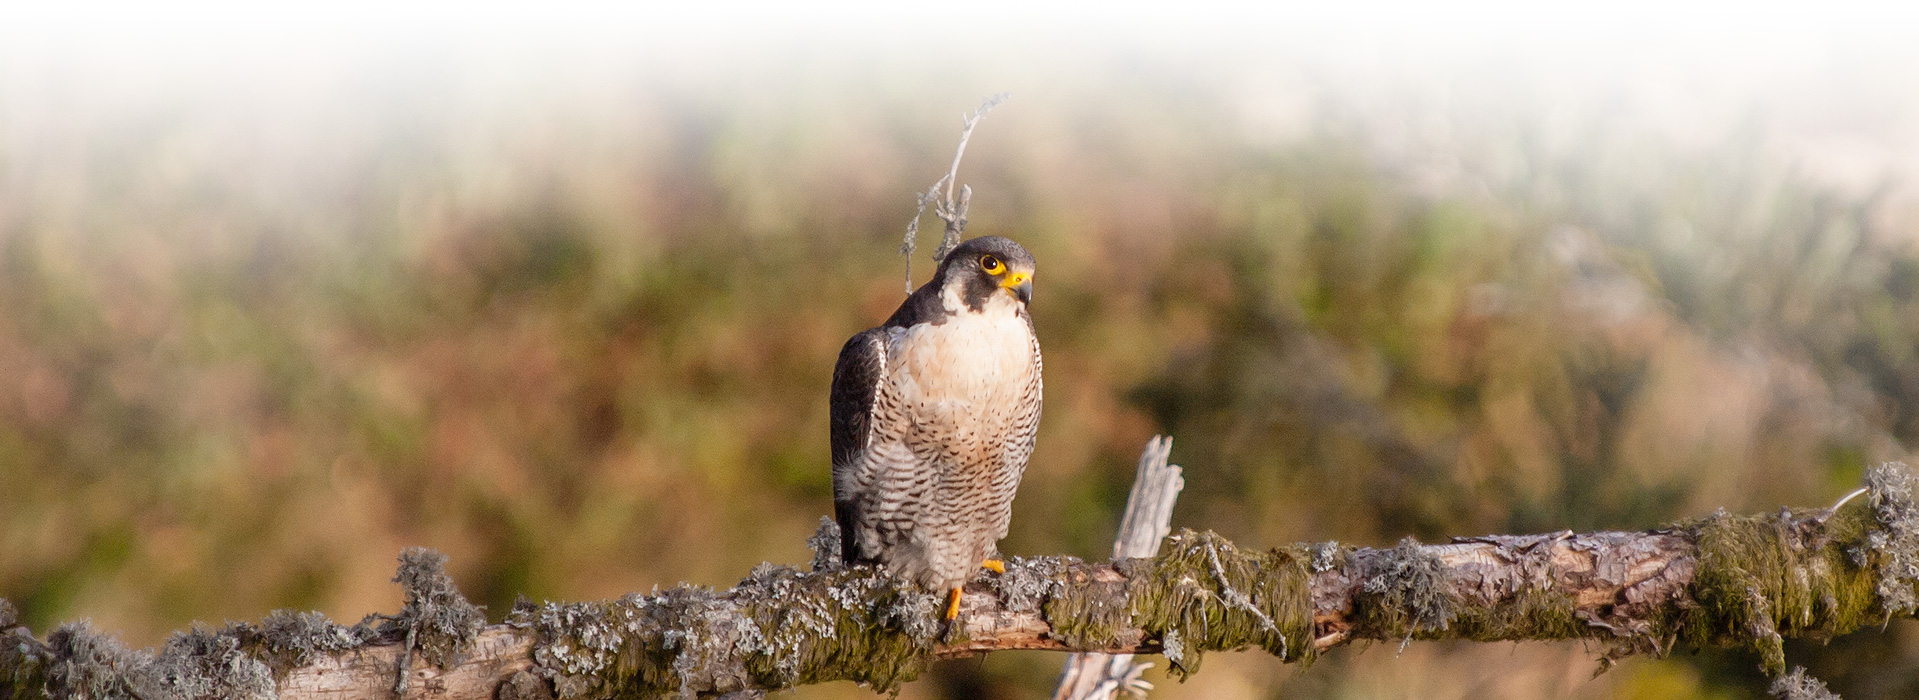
982	267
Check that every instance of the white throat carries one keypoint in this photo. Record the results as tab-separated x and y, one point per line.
999	304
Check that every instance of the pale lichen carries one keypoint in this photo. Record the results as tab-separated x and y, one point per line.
292	638
1325	556
1894	545
202	664
709	640
83	663
22	658
825	544
438	622
1404	591
790	620
1028	583
576	642
1800	686
779	627
1173	648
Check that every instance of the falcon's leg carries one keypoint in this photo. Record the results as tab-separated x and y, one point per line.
952	604
953	596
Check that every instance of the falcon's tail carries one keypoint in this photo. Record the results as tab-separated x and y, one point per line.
847	513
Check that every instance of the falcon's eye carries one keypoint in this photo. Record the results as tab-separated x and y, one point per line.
991	265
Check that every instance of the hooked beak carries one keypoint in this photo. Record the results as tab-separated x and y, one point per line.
1022	285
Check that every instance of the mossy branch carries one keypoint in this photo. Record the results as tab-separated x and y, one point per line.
1744	581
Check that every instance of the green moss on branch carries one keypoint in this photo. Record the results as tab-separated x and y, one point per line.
1204	594
1763	578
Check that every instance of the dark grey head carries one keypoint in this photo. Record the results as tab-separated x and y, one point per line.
985	266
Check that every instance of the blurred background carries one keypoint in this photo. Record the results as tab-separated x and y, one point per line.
559	291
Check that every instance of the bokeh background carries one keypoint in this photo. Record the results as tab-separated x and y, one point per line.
558	292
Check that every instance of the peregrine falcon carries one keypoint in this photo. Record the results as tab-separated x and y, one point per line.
934	414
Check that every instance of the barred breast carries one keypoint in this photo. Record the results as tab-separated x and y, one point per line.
954	423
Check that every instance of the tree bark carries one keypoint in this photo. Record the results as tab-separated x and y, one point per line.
1741	581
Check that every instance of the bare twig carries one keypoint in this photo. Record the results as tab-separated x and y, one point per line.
1842	501
948	208
1148	518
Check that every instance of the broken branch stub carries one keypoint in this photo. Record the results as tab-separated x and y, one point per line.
1145	522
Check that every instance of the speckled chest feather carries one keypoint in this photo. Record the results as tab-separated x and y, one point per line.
955	409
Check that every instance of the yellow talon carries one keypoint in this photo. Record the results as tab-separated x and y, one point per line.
952	604
994	565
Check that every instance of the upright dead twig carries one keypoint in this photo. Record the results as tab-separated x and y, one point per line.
1148	519
948	208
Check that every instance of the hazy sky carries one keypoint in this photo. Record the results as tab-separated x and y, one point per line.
1834	88
1602	33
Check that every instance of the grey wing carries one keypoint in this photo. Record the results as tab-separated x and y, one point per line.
856	379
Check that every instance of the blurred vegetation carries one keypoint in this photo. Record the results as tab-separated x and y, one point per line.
577	333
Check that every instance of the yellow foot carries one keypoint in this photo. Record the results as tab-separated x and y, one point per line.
952	604
994	565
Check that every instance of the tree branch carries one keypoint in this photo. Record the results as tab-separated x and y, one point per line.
1745	581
